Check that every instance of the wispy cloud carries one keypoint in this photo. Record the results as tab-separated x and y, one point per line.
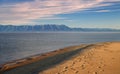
25	12
103	11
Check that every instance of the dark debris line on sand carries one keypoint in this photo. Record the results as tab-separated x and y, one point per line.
40	65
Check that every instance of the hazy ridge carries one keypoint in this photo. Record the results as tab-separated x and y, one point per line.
51	27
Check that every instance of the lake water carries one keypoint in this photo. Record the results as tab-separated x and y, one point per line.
19	45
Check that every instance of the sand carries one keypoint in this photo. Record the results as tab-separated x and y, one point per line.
102	58
99	58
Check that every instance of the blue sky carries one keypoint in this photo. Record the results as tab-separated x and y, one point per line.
74	13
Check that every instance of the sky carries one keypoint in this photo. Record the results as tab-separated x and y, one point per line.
73	13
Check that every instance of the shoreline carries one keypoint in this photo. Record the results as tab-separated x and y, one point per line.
43	63
28	60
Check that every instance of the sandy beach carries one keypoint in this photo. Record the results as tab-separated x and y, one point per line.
99	58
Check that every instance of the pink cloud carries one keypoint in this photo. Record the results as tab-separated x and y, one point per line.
28	11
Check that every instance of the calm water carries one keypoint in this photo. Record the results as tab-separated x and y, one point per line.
19	45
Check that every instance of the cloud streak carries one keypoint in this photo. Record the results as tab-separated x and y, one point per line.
26	12
103	11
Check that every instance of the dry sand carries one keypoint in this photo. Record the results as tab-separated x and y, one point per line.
102	58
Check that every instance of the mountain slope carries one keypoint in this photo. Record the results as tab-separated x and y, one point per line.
50	27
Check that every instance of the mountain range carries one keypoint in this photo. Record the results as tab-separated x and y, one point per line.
51	28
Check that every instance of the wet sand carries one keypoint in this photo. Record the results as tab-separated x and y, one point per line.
99	58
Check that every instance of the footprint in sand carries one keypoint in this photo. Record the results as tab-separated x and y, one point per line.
99	67
57	73
83	66
79	59
65	67
76	72
88	72
72	68
64	70
73	63
102	64
113	58
102	70
95	73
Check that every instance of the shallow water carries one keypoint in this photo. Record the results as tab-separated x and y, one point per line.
19	45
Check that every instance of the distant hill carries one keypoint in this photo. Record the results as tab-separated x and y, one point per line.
49	28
